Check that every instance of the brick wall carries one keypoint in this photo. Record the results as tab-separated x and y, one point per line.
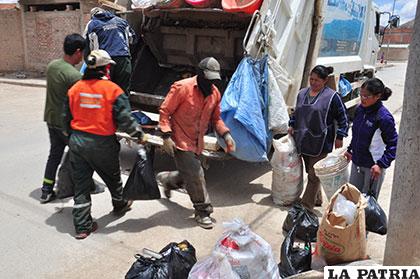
44	34
12	56
398	36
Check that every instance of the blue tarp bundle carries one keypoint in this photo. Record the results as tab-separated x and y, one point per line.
244	109
344	87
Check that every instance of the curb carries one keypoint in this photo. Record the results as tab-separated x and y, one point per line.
381	66
31	83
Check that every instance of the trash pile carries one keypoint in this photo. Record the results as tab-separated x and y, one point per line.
242	254
238	254
244	6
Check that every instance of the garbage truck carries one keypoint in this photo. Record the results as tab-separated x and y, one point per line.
296	34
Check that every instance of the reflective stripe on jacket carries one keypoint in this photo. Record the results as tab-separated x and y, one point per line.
91	106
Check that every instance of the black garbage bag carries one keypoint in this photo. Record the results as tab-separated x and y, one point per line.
307	225
174	261
148	268
65	184
141	184
181	258
376	220
294	260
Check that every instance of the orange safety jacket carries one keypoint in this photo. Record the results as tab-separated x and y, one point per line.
91	103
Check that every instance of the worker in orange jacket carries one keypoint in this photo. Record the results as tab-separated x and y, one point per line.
190	106
97	107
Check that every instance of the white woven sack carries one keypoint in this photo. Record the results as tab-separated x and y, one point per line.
287	182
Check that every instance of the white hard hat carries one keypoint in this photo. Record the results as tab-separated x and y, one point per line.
98	58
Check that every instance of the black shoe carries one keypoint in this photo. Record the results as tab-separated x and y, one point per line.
123	209
83	235
47	196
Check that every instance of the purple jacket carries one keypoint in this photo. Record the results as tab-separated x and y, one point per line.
374	137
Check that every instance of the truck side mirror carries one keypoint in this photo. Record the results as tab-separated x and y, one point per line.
394	21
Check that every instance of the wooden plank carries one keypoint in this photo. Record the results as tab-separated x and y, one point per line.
146	99
113	5
210	143
158	141
43	2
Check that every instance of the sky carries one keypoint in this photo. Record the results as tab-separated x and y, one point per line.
406	9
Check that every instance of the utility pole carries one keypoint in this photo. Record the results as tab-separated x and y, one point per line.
403	241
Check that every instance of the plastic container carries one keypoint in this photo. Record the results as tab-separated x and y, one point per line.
333	172
203	3
170	4
244	6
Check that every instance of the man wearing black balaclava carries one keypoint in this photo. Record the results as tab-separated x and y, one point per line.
190	106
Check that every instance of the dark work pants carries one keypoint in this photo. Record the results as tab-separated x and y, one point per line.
313	187
190	174
89	153
121	72
58	142
361	178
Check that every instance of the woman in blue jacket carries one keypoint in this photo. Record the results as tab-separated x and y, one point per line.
374	138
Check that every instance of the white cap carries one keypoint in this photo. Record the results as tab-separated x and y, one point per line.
98	58
96	10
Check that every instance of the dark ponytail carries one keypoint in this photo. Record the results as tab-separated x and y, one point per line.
387	93
322	71
375	87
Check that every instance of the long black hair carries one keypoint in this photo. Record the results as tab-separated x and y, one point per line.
322	71
375	86
94	73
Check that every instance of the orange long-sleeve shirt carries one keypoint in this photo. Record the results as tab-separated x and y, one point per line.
186	113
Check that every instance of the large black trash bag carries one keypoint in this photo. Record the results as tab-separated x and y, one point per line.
174	261
376	221
141	184
65	184
181	258
307	225
294	260
148	268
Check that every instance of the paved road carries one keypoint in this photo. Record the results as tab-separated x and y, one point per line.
37	240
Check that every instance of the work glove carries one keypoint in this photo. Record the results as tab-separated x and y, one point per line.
169	146
230	143
139	134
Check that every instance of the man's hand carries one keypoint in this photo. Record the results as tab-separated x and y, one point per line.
375	172
230	143
139	134
338	143
169	146
290	131
348	156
